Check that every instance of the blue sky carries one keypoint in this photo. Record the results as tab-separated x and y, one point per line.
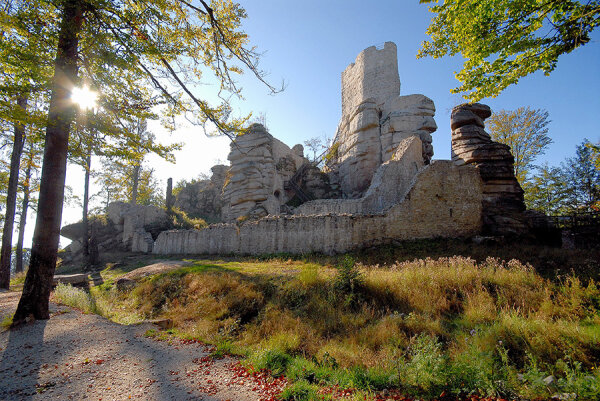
308	44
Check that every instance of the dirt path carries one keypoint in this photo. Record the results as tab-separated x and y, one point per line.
73	356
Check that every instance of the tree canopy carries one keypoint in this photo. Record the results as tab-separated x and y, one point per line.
525	131
503	41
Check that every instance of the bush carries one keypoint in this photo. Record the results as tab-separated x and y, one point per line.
348	281
77	298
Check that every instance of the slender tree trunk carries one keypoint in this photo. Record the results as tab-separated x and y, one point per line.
86	199
136	180
23	220
169	201
38	282
11	198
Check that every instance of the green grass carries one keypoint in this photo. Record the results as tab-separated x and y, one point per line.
426	326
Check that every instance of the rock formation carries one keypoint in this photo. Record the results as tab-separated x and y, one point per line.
202	198
503	211
375	119
125	228
260	167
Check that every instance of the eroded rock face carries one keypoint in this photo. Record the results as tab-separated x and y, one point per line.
503	202
203	198
260	166
376	119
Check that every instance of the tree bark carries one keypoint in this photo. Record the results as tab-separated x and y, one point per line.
169	201
38	282
23	220
86	199
136	180
11	198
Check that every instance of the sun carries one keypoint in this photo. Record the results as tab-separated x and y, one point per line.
84	97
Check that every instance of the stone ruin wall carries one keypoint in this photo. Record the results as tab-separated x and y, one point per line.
445	201
374	74
391	190
375	119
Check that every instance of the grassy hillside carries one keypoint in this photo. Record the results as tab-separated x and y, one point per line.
428	327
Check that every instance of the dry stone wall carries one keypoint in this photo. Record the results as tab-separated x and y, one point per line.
444	201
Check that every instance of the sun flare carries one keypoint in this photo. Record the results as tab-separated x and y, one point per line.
84	97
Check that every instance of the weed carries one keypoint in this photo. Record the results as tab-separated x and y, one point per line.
300	391
75	297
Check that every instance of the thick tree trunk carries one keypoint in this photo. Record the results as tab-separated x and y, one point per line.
22	221
86	199
136	180
38	282
11	199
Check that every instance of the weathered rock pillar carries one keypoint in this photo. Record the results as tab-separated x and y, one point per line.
503	202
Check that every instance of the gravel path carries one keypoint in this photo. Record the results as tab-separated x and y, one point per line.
74	356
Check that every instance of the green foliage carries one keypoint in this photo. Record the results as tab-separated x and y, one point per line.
274	360
180	220
426	365
332	154
348	280
505	40
525	131
572	188
300	391
583	176
546	190
425	326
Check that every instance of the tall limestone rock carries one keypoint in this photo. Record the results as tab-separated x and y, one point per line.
260	166
503	203
375	120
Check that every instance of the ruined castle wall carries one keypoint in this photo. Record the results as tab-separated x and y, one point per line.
389	185
374	74
445	201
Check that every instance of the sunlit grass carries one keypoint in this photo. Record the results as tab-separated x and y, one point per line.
426	326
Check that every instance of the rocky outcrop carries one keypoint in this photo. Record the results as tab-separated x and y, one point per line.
260	167
202	198
135	220
444	200
125	228
375	119
503	202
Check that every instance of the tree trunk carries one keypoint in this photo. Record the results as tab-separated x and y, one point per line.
38	282
86	199
169	201
136	180
23	220
11	198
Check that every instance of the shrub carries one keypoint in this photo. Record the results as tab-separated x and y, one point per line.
425	367
77	298
348	281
